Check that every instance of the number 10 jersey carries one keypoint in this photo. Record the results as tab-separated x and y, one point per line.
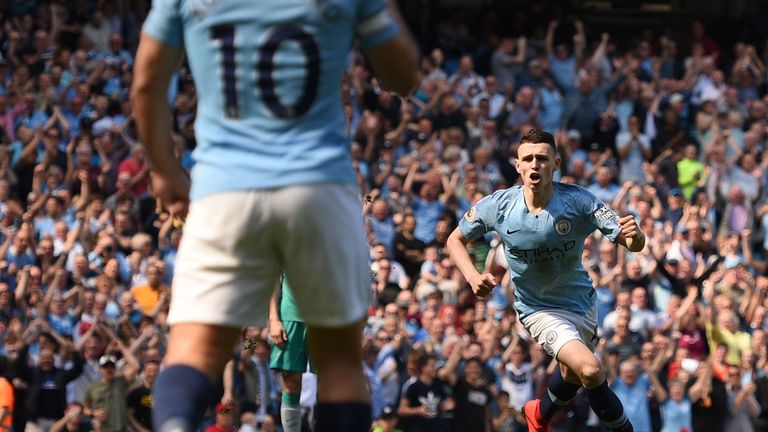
268	78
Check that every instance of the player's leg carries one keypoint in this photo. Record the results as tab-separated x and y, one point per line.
290	408
342	393
291	361
327	266
562	387
197	354
552	329
577	357
223	279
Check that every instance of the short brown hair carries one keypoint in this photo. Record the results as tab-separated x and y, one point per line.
537	136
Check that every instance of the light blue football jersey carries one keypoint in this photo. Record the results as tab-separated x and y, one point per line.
544	250
268	77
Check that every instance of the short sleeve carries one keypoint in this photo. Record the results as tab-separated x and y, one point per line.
602	217
645	142
375	25
621	141
164	22
410	395
480	218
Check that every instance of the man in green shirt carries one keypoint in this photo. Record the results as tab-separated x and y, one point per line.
105	400
689	171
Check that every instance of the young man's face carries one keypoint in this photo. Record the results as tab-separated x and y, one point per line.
536	164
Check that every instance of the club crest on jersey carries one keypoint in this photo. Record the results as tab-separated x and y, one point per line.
563	227
604	213
470	214
551	337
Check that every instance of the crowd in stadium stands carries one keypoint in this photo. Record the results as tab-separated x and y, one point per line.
674	132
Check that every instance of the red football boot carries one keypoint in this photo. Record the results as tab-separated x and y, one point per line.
533	417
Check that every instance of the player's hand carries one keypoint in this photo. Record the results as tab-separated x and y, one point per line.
482	284
173	191
277	333
629	227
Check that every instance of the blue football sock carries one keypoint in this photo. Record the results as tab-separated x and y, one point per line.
608	408
180	398
559	394
343	417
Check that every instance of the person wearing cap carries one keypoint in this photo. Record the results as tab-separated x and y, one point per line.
105	400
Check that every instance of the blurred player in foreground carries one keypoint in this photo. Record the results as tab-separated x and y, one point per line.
273	186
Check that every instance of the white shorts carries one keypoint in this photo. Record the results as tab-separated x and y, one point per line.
236	243
553	328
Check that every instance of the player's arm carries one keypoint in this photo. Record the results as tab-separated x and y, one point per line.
276	329
456	246
228	382
621	230
155	63
154	66
631	236
395	62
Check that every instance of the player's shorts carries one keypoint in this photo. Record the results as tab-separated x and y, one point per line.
236	244
294	357
553	328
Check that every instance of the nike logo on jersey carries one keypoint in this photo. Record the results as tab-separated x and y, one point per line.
510	232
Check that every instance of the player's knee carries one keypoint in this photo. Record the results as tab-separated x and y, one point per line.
569	376
591	374
292	382
201	346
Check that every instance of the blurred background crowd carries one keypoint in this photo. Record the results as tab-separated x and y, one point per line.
666	120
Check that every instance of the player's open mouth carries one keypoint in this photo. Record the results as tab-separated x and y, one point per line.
535	178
